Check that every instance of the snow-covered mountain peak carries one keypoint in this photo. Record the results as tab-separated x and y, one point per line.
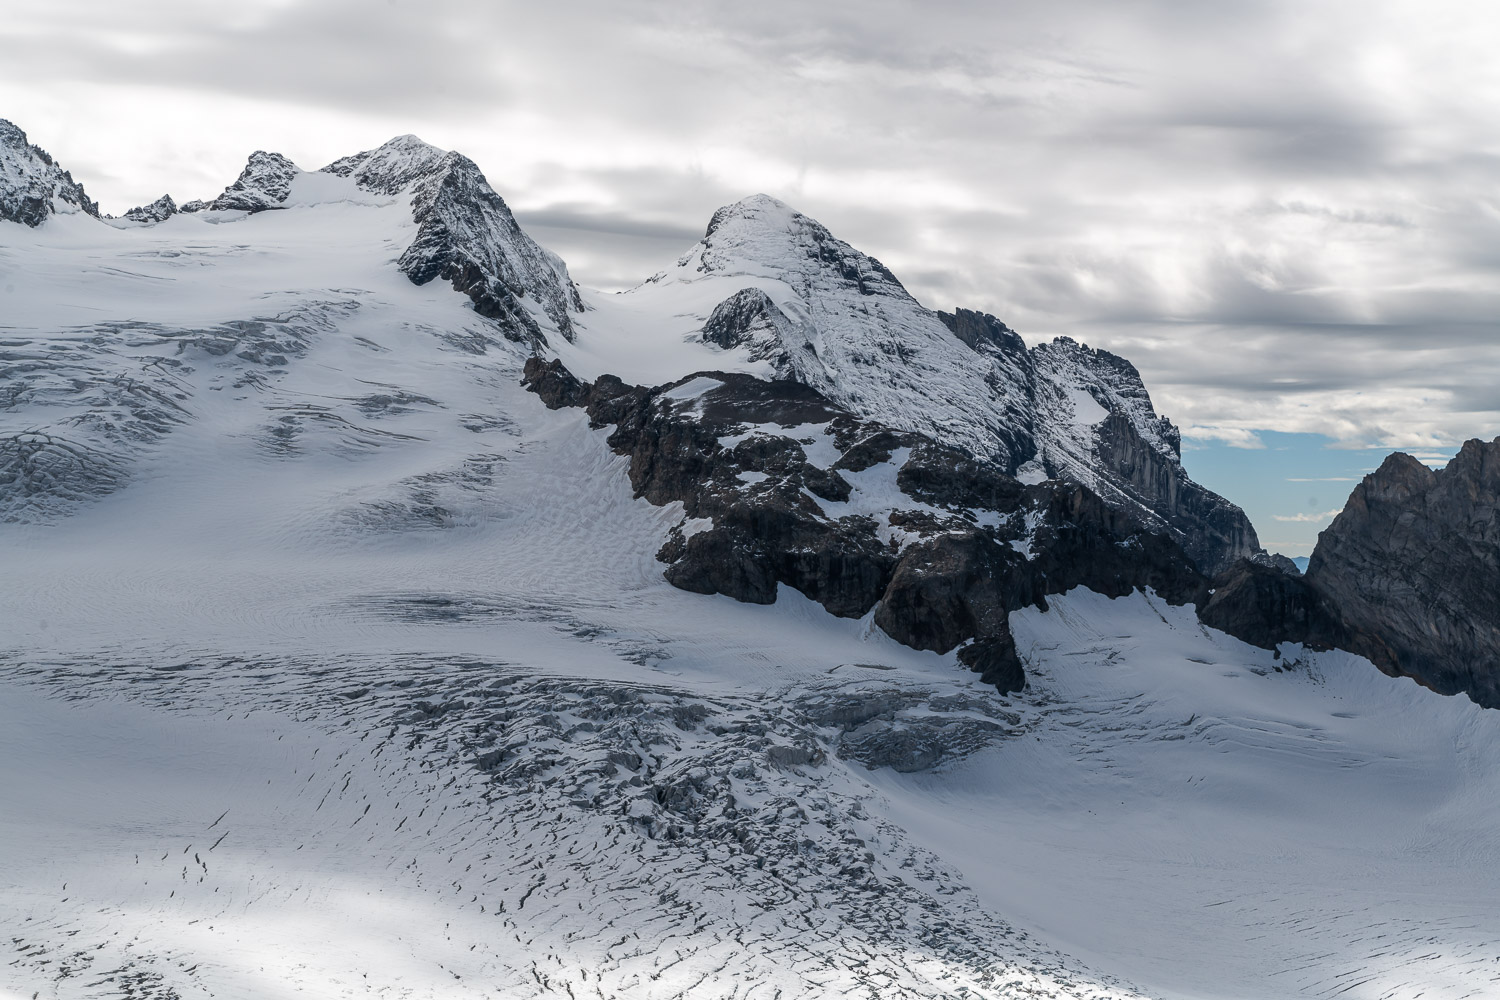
399	165
761	235
263	184
467	235
771	292
32	186
761	208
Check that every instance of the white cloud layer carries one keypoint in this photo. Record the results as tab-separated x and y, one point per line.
1285	214
1327	515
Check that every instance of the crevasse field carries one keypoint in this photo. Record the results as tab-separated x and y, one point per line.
354	674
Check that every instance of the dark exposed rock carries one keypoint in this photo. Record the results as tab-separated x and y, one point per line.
727	447
1083	542
1213	531
947	477
981	329
757	545
1276	560
1412	567
556	386
264	184
995	660
32	186
159	210
951	588
1266	606
1130	457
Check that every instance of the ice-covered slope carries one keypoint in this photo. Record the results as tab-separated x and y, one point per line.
772	292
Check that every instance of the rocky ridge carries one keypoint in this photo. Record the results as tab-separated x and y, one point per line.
817	311
159	210
467	236
264	184
32	186
780	486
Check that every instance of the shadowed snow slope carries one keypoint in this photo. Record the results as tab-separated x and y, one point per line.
333	663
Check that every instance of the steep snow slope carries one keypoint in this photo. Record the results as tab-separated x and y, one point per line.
356	675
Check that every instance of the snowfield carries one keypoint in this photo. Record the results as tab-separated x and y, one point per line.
333	664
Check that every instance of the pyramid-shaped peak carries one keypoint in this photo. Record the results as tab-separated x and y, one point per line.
764	235
398	164
410	142
760	210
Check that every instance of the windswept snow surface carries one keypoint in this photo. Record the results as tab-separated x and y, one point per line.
334	664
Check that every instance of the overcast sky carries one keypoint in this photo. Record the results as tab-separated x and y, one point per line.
1286	214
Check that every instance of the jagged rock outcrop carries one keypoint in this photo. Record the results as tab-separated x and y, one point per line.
952	587
1412	568
467	236
264	184
1265	606
159	210
780	486
32	186
749	319
1097	426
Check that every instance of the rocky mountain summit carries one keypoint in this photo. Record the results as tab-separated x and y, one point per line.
467	235
32	186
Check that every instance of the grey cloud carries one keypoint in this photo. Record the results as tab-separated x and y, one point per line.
1284	215
590	220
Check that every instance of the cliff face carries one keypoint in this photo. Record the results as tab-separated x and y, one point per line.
1412	566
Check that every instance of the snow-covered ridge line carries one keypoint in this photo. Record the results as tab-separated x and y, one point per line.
467	235
776	294
465	232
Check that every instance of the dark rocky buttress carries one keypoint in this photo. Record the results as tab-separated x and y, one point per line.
780	486
1412	568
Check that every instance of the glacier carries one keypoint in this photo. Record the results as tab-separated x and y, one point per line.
335	662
